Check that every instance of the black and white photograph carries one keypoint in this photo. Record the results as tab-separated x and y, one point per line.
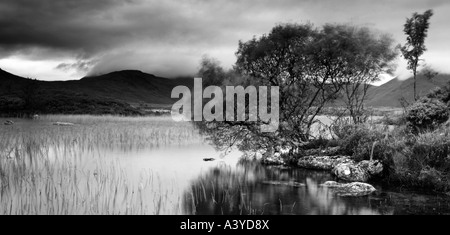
206	108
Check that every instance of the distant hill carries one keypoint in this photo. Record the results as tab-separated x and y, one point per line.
122	92
390	94
132	92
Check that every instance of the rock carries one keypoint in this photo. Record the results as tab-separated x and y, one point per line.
281	183
374	168
275	160
63	124
8	123
361	172
351	172
322	162
334	151
350	190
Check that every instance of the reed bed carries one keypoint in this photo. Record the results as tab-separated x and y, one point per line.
52	170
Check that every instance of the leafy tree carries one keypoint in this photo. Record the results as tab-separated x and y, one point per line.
416	29
312	67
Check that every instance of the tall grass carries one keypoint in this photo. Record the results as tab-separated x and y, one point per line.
47	169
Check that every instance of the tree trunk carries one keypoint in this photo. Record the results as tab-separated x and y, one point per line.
415	86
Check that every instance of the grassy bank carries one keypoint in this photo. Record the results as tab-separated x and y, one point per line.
414	146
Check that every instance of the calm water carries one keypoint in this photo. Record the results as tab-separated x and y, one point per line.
177	178
230	185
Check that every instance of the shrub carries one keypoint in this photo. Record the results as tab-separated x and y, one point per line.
442	94
390	120
427	114
419	160
342	128
432	150
360	140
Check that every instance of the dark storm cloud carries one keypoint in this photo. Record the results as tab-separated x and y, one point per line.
68	25
169	37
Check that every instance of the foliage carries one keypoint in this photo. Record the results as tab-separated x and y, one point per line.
394	120
416	29
361	142
370	56
419	160
427	113
311	66
211	72
441	93
63	103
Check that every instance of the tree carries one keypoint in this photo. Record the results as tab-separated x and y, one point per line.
311	66
368	55
416	29
211	72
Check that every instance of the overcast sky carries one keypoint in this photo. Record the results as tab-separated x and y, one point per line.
67	39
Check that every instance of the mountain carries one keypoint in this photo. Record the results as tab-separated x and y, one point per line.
132	92
390	94
129	86
122	92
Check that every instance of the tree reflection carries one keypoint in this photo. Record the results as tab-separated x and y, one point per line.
251	189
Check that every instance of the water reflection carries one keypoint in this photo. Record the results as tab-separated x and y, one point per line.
251	188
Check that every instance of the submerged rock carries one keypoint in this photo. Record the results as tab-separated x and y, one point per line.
361	172
283	183
350	190
63	124
322	162
8	123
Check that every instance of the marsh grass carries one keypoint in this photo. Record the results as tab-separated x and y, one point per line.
47	169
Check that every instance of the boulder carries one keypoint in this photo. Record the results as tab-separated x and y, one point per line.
275	160
334	151
326	163
272	157
8	123
350	190
361	172
374	168
351	173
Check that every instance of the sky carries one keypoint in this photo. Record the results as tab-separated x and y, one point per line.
69	39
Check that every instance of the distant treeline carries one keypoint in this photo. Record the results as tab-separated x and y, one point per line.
43	103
